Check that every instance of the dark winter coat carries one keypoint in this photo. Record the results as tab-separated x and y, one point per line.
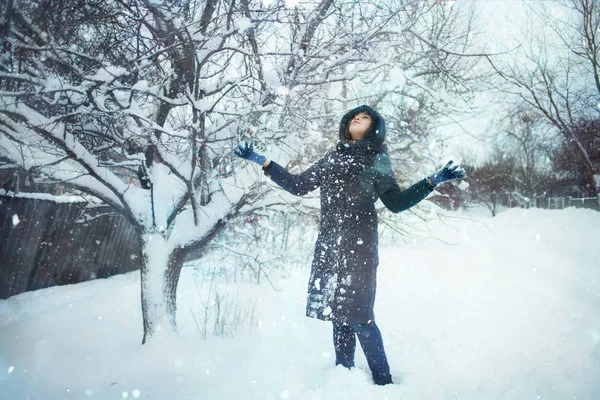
352	177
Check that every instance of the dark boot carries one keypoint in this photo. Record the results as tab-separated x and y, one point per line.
372	344
385	379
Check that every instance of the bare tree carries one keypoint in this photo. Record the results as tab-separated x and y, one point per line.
492	182
572	177
127	101
529	140
556	71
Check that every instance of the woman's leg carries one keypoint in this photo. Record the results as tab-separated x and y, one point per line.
372	345
344	342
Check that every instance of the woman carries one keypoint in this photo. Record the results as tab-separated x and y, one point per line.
352	177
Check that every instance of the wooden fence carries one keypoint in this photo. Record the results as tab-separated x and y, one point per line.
44	243
557	203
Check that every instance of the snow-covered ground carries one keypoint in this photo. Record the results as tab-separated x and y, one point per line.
492	308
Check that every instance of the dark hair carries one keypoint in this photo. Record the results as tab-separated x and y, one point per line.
347	134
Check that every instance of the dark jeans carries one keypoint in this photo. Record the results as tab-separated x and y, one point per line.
369	336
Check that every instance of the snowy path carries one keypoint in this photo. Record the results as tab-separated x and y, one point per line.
507	308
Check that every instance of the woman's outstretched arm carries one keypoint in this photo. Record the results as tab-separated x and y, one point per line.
297	184
390	193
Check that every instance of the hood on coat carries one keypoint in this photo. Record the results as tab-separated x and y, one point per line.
376	135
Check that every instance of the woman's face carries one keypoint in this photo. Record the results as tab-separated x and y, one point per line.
359	126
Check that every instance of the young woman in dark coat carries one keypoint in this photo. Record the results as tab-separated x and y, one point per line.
343	278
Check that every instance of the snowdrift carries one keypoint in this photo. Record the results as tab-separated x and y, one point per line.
487	308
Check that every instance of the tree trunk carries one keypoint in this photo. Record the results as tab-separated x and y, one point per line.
160	271
172	281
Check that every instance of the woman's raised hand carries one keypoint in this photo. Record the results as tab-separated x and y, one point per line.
246	151
450	172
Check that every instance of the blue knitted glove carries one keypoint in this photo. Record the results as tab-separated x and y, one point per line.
246	151
450	172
